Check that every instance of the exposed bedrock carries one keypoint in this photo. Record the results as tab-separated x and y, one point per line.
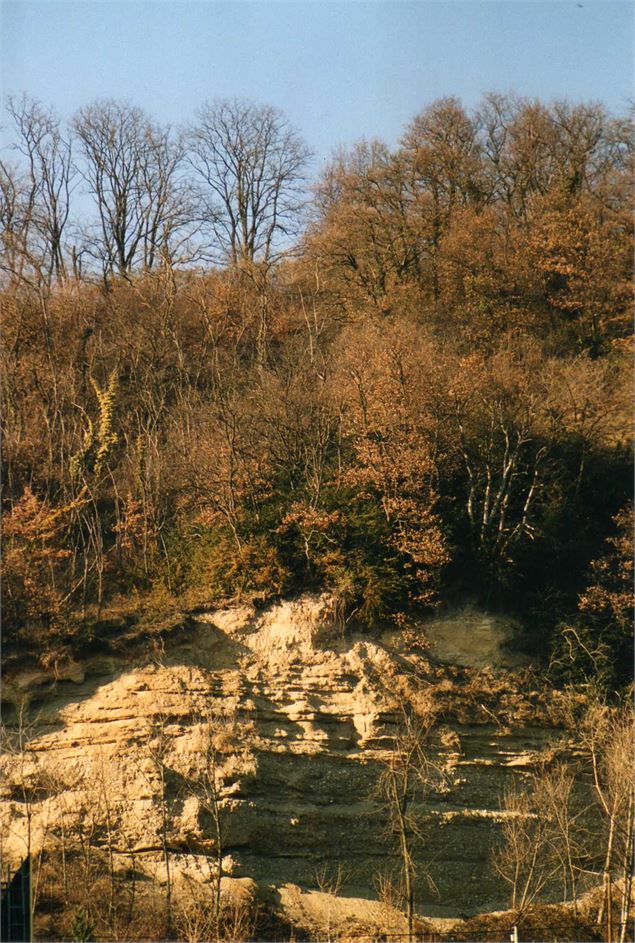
318	717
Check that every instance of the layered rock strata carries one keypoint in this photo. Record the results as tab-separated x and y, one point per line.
316	713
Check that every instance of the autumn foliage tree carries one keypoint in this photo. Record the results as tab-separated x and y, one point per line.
35	580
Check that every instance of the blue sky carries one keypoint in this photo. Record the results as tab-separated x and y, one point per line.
340	70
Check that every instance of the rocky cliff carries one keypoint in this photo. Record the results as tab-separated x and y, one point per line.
314	712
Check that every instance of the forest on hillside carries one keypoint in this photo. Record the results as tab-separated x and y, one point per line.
405	379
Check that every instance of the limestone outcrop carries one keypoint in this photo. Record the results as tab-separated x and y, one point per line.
314	712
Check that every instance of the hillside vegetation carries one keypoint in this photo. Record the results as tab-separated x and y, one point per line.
406	383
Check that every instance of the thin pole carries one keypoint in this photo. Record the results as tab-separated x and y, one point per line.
29	926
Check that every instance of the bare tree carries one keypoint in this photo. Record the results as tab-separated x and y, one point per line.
131	166
195	919
329	881
50	174
159	748
550	834
251	165
554	797
607	735
407	779
16	221
524	859
170	228
22	767
221	749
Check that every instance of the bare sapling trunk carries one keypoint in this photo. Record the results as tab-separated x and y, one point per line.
408	777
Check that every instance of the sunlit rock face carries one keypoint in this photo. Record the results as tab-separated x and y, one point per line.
314	715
